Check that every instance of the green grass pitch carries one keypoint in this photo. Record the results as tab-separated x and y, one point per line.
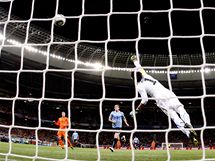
106	155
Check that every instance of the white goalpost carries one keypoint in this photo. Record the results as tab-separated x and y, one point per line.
42	53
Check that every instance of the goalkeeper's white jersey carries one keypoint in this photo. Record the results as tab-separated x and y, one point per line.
163	96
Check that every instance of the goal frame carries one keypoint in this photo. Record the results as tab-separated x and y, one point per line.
163	146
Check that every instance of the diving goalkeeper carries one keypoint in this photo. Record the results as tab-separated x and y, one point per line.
63	123
165	99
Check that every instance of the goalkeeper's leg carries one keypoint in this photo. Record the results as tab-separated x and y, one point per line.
186	118
182	126
183	114
179	123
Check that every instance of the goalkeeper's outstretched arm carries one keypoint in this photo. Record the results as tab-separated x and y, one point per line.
142	92
139	107
137	110
137	65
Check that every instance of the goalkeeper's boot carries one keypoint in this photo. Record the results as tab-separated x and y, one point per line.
195	141
193	134
111	149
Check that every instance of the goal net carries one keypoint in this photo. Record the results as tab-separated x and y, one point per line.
83	69
175	146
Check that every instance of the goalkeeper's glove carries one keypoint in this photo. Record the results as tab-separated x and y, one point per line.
133	113
133	58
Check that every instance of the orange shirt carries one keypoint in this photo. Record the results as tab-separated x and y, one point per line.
62	122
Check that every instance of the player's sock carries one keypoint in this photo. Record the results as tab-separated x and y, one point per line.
70	145
114	142
60	142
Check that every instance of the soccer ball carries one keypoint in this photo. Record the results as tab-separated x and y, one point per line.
59	20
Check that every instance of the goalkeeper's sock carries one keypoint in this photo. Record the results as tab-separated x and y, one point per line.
192	131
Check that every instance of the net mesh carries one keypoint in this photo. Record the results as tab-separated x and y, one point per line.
81	58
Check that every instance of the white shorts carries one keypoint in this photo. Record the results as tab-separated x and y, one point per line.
169	103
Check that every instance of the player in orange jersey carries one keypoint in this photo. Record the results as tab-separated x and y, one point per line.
63	123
